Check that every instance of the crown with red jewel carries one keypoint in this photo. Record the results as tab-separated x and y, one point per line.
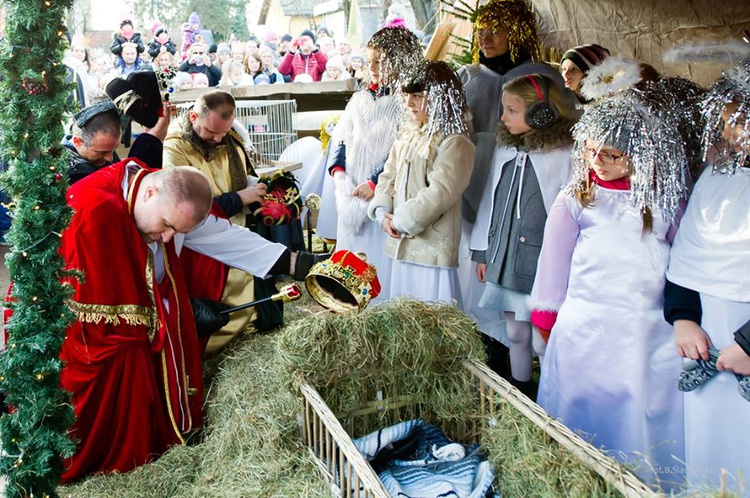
343	282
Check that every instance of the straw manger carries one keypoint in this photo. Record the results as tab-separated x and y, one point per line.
342	464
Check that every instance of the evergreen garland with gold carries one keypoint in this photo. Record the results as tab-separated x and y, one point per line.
34	96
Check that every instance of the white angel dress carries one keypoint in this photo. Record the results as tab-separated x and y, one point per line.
711	255
610	367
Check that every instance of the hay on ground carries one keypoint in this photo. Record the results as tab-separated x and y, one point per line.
251	446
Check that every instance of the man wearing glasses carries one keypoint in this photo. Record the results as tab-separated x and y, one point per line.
198	61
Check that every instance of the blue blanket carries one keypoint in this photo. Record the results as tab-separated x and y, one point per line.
415	459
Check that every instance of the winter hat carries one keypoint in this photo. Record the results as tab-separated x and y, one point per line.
159	31
307	32
194	18
126	21
212	48
262	79
287	37
180	79
395	16
586	56
87	113
223	48
271	35
323	30
156	26
336	62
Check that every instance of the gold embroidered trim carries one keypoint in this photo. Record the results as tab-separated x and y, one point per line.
185	381
150	282
131	189
131	314
165	374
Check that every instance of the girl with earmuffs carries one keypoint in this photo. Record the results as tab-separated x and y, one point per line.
531	162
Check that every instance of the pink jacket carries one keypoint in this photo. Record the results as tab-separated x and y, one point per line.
296	63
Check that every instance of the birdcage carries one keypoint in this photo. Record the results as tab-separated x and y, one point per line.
271	125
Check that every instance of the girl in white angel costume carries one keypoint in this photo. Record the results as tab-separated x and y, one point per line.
708	291
362	141
610	371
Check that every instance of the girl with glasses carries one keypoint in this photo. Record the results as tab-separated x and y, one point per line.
609	370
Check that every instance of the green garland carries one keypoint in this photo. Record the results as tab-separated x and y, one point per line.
34	98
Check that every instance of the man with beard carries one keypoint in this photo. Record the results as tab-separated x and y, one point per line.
96	134
208	139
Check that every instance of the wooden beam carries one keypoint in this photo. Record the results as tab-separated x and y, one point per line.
318	96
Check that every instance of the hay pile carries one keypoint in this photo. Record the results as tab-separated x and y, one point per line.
252	444
402	348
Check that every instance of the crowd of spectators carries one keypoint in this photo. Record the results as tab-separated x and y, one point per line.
310	56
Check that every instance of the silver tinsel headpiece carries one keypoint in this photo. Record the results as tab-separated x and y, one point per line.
733	86
446	101
642	123
399	50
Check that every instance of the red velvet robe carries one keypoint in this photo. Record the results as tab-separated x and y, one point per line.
134	369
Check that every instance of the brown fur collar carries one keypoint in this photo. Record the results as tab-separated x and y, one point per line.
555	137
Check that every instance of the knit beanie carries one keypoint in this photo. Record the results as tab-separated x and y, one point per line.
307	32
336	62
270	35
194	19
223	48
586	56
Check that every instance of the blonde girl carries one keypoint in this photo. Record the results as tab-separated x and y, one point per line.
531	162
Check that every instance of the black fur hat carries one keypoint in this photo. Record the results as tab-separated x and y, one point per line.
140	96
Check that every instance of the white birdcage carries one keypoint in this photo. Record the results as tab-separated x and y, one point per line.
271	125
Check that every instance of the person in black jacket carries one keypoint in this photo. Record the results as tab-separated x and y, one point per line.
126	35
199	62
161	42
96	134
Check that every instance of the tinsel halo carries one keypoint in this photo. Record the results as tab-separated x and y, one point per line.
613	75
725	51
446	101
733	86
641	123
515	18
399	50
